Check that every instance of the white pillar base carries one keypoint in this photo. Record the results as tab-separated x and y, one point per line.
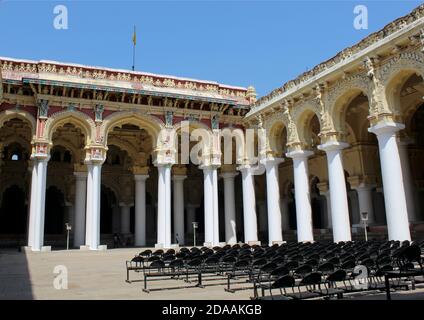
99	248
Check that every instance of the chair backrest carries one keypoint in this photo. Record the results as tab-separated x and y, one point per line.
158	252
369	263
229	259
146	253
241	264
291	265
279	272
158	264
303	270
334	260
312	262
211	261
194	263
380	271
350	264
137	259
413	253
153	258
312	278
339	275
259	263
286	281
178	263
267	268
326	267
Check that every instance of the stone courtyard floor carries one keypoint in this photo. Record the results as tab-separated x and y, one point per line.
102	274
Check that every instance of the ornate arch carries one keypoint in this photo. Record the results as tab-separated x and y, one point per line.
150	123
15	138
274	125
302	114
81	120
413	61
395	73
342	94
124	145
20	114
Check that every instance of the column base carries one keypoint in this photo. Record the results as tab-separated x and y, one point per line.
253	243
43	249
207	244
99	248
162	246
277	242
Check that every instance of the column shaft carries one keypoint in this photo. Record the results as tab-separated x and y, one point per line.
337	183
80	199
164	206
365	202
125	219
302	196
92	236
273	203
38	199
249	206
140	210
230	207
391	172
178	182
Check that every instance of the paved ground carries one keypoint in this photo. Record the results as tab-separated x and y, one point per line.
101	275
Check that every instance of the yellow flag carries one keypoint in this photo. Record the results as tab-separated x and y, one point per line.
134	38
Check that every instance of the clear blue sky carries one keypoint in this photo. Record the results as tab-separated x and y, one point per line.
263	43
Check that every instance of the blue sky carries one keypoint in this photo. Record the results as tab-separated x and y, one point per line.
259	43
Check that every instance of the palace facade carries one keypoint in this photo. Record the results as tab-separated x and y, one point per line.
100	149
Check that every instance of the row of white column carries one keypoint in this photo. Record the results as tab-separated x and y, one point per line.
88	197
87	207
396	184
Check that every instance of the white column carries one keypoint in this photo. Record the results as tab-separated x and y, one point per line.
125	218
33	203
391	172
210	185
140	210
273	201
164	206
249	204
407	180
178	182
337	184
79	220
38	197
92	233
302	195
230	207
365	201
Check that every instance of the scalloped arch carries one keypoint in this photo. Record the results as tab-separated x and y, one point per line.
77	118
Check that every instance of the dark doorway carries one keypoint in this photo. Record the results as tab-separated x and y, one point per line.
108	201
13	212
55	209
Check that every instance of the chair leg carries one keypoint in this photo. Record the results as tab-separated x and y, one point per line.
387	283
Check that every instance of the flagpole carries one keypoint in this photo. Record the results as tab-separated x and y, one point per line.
134	41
